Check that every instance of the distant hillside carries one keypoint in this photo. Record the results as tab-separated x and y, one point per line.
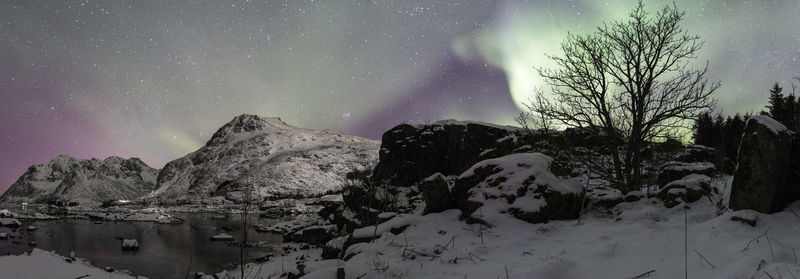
88	182
278	159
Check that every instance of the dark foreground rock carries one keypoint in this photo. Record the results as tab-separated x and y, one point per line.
410	153
696	153
436	193
760	180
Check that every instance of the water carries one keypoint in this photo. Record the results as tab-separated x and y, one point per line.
166	250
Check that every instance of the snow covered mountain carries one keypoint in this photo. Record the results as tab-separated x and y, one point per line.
87	182
277	159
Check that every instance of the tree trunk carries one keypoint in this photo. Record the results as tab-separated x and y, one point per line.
614	148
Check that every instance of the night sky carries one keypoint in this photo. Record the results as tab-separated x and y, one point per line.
155	79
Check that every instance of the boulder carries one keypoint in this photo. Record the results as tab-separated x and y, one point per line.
263	258
334	247
605	196
10	222
130	244
675	170
314	235
410	153
760	180
5	213
520	185
696	153
633	196
222	237
436	193
689	189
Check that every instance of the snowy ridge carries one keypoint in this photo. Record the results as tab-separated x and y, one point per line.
278	159
87	182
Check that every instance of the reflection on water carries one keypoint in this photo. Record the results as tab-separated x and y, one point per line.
166	250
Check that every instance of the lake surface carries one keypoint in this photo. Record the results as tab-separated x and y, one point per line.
166	250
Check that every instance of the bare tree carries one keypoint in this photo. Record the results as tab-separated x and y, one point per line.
530	121
629	79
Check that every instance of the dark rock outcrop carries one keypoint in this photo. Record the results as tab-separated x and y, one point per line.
410	153
315	235
696	153
760	180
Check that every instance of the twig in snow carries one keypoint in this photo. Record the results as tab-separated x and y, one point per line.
790	271
770	246
444	247
417	252
755	239
770	276
506	266
476	256
82	276
704	259
643	275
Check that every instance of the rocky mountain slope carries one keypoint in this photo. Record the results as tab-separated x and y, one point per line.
278	160
87	182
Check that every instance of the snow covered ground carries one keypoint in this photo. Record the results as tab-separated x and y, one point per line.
642	239
41	264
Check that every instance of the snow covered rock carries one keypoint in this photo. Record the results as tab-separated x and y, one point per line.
760	179
689	189
605	196
696	153
675	170
633	196
10	222
130	244
280	160
410	153
334	247
222	237
87	182
3	235
520	185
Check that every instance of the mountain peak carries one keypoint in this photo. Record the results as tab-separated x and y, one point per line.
247	123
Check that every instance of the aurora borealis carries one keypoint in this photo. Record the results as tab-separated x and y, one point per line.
155	79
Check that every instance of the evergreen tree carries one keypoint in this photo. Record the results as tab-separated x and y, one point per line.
734	127
790	110
777	104
704	129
